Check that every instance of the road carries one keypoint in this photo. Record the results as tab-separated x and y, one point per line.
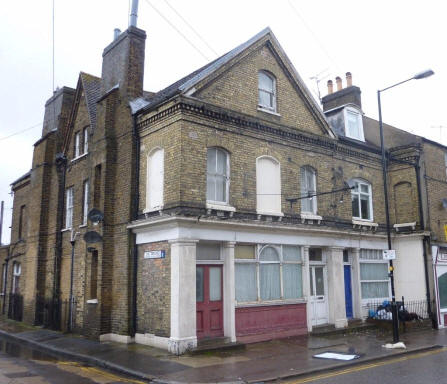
420	368
19	365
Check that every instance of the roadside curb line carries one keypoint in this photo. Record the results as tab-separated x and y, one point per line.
353	363
80	357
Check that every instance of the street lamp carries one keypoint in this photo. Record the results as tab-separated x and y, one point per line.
420	75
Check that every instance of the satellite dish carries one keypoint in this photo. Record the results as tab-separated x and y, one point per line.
91	237
95	216
444	203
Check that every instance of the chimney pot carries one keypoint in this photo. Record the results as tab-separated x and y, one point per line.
338	81
330	87
116	33
133	14
348	79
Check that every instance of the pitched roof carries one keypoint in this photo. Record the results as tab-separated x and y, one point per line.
188	82
92	89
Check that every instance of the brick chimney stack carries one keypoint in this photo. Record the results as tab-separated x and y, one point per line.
339	85
330	87
348	79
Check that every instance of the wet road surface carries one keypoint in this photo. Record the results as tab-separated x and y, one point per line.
22	365
425	367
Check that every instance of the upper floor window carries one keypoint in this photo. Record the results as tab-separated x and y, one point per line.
81	143
354	124
268	186
85	202
267	91
308	190
155	179
16	272
69	208
361	200
21	221
217	175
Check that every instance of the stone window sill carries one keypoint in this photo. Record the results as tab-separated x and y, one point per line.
79	157
220	207
400	226
271	303
357	223
66	229
269	111
92	301
310	217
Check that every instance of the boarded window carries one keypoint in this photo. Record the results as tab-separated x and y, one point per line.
155	179
268	186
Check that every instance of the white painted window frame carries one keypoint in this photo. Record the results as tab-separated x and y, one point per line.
373	261
69	207
16	273
211	203
258	248
271	92
305	169
85	134
346	112
77	151
370	200
85	202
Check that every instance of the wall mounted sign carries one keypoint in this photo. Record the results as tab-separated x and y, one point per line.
389	254
154	254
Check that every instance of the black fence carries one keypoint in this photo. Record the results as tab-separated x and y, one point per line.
413	310
55	314
15	307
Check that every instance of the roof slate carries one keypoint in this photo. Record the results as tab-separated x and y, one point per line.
92	89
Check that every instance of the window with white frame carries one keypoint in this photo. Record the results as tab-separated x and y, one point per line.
268	272
268	186
77	145
374	279
354	124
69	208
16	272
85	202
267	91
155	179
217	176
85	131
361	196
308	189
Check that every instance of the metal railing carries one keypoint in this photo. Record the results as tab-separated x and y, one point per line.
412	310
15	306
54	314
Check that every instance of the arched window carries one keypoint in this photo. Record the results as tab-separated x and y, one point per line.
155	179
267	91
361	196
268	186
217	176
308	190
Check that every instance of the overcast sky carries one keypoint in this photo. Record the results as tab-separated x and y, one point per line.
380	42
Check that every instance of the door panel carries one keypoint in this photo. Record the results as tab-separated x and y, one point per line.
209	301
348	291
318	299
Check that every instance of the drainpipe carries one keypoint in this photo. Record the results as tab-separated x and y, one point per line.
424	242
61	166
136	203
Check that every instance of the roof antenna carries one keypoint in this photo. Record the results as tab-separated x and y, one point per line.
318	77
133	14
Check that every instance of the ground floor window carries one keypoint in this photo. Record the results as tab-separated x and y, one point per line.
374	279
268	272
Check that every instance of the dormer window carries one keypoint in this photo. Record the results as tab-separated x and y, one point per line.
267	91
354	124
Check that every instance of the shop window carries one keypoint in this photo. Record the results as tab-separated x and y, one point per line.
270	273
361	196
268	186
308	190
217	176
155	180
374	279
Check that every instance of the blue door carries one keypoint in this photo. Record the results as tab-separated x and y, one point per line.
348	291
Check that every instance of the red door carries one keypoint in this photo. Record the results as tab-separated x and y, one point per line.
209	301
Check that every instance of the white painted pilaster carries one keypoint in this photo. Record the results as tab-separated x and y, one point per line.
183	296
229	291
306	287
336	287
355	281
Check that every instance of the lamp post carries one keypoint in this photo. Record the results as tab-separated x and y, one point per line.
420	75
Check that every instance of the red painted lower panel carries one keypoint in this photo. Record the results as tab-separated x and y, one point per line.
270	322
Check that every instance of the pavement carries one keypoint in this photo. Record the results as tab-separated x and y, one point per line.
258	362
